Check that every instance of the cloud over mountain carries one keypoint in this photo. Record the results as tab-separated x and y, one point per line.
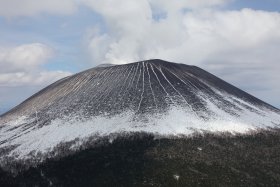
235	44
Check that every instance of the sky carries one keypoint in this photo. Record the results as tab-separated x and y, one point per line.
43	41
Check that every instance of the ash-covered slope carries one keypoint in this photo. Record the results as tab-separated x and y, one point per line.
154	96
142	87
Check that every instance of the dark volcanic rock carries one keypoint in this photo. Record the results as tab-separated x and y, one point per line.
143	87
134	124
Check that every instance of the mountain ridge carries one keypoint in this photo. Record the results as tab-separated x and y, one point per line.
154	96
160	63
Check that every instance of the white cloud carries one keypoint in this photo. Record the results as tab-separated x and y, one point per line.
21	65
228	43
190	37
13	8
24	58
41	78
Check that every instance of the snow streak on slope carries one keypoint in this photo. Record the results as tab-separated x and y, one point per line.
32	140
154	96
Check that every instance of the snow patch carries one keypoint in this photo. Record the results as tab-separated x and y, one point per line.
176	122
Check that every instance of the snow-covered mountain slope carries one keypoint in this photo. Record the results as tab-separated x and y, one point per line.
154	96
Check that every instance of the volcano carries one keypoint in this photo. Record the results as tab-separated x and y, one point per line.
94	112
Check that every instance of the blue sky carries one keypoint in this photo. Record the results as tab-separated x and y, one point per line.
268	5
237	40
65	33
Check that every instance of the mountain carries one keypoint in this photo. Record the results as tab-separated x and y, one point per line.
120	112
